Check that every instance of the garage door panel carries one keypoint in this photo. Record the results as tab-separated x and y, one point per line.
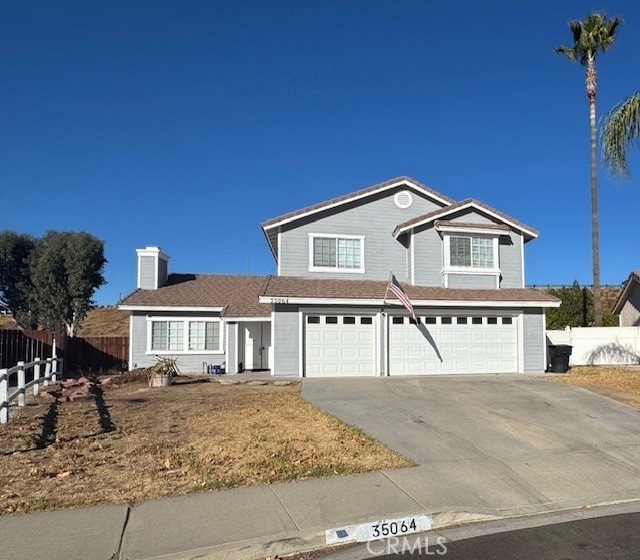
476	345
337	345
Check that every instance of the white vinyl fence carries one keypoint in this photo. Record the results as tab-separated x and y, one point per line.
600	345
44	371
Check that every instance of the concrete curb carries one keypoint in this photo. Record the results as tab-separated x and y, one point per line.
451	525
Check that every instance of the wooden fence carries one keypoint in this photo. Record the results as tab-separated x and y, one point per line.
52	367
97	353
88	355
17	345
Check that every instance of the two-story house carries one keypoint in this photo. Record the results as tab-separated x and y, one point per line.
328	311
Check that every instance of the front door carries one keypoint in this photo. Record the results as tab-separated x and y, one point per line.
257	341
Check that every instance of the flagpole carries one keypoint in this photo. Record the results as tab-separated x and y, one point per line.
384	299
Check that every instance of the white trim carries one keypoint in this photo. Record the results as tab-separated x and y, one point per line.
170	308
273	340
313	268
489	232
416	302
412	248
225	325
130	342
522	258
301	344
149	351
248	319
544	341
237	337
520	341
447	210
466	271
138	277
279	254
470	269
325	207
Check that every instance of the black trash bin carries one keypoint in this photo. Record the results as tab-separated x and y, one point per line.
559	358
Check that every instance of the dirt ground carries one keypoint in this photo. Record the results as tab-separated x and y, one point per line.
133	442
621	383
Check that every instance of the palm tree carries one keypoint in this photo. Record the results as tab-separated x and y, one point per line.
621	128
590	36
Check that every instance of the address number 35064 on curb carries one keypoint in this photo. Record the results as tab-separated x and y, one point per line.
381	529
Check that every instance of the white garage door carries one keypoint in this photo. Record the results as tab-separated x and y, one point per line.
339	345
452	344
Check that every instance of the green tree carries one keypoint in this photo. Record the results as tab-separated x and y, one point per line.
621	128
591	36
576	307
66	269
16	288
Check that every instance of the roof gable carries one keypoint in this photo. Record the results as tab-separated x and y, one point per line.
360	194
466	204
631	282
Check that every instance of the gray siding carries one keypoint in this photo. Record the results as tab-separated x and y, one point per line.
533	334
188	363
231	347
428	257
147	273
470	217
472	281
510	255
630	312
138	341
285	340
162	272
375	219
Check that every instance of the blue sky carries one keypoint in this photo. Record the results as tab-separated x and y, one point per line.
185	124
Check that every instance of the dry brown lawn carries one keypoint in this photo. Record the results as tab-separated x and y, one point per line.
620	383
132	443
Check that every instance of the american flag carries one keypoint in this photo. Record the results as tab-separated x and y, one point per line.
397	289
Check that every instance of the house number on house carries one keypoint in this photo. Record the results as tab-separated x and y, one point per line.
279	300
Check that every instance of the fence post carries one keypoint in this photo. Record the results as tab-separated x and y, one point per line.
21	380
47	372
36	377
4	395
54	362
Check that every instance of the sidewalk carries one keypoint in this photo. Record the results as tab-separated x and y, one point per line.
252	523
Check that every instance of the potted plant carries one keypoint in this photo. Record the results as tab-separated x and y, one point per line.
161	373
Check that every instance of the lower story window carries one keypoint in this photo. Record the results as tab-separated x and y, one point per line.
186	336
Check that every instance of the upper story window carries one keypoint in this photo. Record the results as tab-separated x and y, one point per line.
336	253
471	252
184	336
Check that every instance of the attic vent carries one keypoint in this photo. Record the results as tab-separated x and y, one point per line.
403	199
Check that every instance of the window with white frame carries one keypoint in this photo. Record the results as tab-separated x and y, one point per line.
185	335
336	253
472	252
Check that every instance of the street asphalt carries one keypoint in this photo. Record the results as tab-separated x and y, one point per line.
488	448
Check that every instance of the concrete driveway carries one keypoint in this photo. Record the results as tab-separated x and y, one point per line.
494	443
